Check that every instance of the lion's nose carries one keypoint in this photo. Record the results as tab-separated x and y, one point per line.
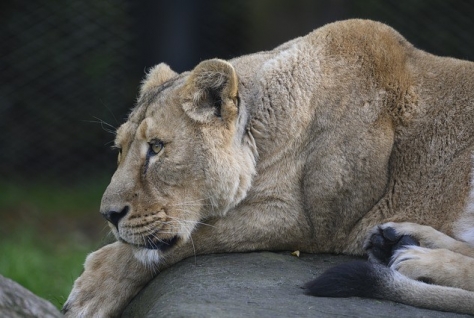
114	216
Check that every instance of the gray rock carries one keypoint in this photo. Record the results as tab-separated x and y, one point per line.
259	284
17	302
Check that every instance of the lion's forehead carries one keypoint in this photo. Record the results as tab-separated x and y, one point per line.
165	122
130	131
155	105
154	97
166	90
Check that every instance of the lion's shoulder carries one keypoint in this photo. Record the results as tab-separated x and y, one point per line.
358	36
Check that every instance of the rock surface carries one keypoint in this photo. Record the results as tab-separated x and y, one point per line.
259	284
18	302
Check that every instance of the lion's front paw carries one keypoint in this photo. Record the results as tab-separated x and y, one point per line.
383	241
93	293
87	301
112	277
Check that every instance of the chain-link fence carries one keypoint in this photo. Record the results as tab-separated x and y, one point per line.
69	70
64	70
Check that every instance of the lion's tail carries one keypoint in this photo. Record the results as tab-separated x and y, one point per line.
371	280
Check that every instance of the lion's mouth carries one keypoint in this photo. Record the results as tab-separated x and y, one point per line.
155	243
160	244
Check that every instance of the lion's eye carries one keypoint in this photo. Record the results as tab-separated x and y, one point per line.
156	146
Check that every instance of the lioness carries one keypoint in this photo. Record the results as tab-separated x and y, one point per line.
345	132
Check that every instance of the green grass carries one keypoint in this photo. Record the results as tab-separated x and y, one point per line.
47	230
40	266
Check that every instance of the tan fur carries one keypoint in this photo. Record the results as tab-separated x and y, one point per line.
156	76
306	147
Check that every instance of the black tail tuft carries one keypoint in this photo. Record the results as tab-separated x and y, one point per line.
353	279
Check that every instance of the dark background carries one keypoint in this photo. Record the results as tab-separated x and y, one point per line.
70	70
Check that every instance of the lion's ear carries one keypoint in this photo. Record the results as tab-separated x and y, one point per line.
211	92
157	75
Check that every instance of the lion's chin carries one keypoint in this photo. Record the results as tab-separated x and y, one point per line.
147	257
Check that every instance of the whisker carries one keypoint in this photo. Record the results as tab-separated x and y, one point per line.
107	127
151	231
104	125
102	122
191	221
111	112
196	200
194	249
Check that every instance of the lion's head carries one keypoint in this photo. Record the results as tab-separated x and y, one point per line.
183	156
